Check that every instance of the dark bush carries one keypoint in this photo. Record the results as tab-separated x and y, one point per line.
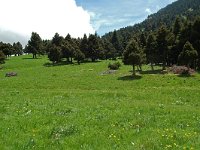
182	70
114	66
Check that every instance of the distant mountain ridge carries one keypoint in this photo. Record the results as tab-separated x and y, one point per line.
186	9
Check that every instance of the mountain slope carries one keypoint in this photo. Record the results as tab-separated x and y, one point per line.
186	9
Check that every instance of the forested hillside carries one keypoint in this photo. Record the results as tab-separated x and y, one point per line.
185	9
163	37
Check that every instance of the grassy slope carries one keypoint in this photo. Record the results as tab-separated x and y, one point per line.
74	107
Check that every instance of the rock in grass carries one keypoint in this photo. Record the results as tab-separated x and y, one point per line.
11	74
108	72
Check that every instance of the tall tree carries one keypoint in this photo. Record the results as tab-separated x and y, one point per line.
142	40
35	44
132	55
67	51
162	44
84	46
6	48
2	57
188	56
93	47
79	56
151	50
55	54
195	38
177	26
116	43
57	40
110	51
17	49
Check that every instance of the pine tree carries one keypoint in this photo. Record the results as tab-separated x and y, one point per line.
132	55
177	27
84	46
110	51
55	54
189	55
17	48
93	47
79	56
162	44
142	40
34	44
68	48
117	44
2	57
195	38
151	50
57	40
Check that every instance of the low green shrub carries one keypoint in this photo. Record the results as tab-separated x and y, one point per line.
114	66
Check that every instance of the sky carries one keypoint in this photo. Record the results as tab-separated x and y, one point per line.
19	18
114	14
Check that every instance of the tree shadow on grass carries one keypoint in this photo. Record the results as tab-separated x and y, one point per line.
30	58
57	64
159	71
130	78
186	75
89	61
63	63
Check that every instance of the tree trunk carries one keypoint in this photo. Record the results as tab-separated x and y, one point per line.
71	60
140	66
134	70
152	67
164	65
34	56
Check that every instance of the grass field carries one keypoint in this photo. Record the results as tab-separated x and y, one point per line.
76	107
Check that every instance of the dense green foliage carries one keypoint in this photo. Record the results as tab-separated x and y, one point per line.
151	50
75	107
2	57
132	55
35	45
8	49
173	26
114	66
188	55
17	49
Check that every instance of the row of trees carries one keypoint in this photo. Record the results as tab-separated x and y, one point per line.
68	49
178	45
6	50
59	48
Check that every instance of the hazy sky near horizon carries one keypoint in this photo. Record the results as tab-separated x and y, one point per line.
109	15
21	17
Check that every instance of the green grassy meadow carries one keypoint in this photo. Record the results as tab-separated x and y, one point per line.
76	107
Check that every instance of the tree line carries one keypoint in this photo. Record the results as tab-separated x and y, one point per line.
178	44
7	49
60	49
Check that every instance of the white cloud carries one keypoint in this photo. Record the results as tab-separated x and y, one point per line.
45	17
148	10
